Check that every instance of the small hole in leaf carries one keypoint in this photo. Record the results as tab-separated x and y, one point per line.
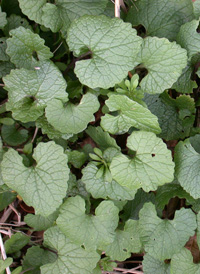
124	249
153	155
22	22
83	246
1	42
182	131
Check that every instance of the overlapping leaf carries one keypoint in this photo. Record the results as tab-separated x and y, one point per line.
72	259
182	263
189	38
130	114
3	20
25	48
112	45
187	161
150	167
164	238
125	242
101	226
151	265
162	18
164	62
15	21
33	9
43	186
30	90
101	188
70	118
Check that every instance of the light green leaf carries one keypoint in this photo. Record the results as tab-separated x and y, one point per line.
59	16
15	21
182	263
162	18
3	20
187	161
33	9
101	226
101	138
150	167
25	48
5	68
188	32
48	129
39	223
164	62
36	257
130	114
101	188
14	136
196	5
30	90
164	238
72	259
151	265
16	242
43	186
113	45
198	229
169	111
125	242
5	264
70	118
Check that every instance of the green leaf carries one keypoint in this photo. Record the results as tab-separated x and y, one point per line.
1	157
60	15
101	226
76	158
169	110
188	32
3	20
36	257
5	264
113	45
164	238
101	188
196	5
198	229
26	48
182	263
39	223
164	62
101	138
151	265
132	208
5	68
150	167
15	21
16	242
30	90
166	192
187	161
3	46
130	114
162	18
14	136
33	9
43	186
72	259
6	198
125	242
70	118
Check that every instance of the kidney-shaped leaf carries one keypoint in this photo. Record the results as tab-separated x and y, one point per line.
164	62
164	238
26	47
43	186
150	167
101	227
30	90
112	45
130	114
72	259
70	118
